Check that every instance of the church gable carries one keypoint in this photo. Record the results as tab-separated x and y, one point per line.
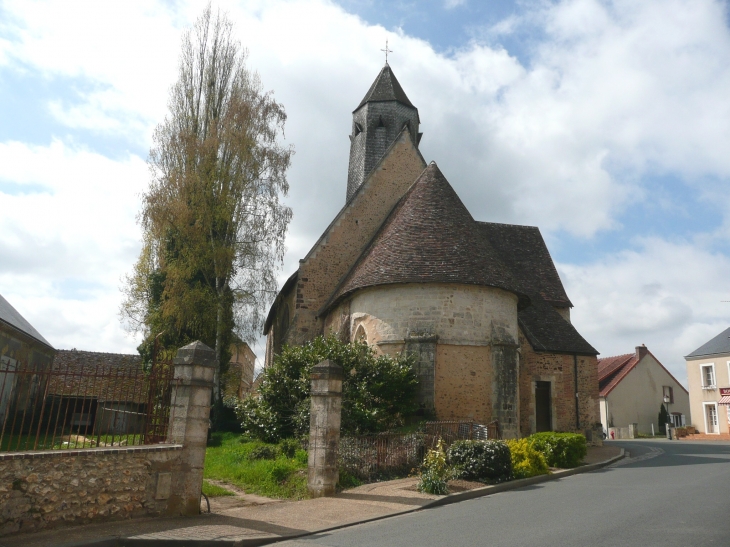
343	241
429	237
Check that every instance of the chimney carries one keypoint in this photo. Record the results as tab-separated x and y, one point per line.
641	352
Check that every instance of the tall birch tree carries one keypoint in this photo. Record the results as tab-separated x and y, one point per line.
212	218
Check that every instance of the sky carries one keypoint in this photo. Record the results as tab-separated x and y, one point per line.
604	123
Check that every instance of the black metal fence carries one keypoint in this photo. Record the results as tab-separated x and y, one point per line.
83	407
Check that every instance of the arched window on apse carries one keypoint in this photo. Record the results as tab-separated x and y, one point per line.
361	335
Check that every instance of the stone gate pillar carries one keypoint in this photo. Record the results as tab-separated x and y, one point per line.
324	428
189	421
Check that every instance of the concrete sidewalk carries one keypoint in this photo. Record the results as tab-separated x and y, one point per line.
252	520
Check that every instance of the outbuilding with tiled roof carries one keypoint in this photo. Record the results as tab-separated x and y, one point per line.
632	390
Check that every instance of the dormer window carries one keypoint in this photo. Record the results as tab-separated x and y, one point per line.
358	129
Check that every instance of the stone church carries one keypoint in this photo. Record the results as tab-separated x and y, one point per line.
404	267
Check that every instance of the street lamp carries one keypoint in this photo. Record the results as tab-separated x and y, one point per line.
666	402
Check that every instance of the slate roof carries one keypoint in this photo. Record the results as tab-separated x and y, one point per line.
9	315
720	344
546	330
523	250
385	88
429	237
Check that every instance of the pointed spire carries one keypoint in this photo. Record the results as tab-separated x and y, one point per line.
385	88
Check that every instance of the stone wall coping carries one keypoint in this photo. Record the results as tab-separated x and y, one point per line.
101	451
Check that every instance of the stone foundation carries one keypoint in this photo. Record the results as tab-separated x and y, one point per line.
40	490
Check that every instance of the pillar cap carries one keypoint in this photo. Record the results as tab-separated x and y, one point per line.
327	370
196	353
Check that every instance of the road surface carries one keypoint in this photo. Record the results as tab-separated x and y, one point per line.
667	494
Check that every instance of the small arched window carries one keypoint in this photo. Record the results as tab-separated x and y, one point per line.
361	335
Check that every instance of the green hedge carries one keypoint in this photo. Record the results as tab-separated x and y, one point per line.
480	460
560	449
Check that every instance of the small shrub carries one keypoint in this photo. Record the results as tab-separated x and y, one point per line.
526	460
301	457
560	449
264	452
289	447
435	472
480	460
281	470
348	480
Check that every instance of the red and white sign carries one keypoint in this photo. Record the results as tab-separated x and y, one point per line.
724	398
724	391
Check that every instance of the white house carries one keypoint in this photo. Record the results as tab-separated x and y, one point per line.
632	390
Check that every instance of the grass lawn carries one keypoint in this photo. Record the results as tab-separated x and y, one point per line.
238	461
215	491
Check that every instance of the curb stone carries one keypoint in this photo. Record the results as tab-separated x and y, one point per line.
256	542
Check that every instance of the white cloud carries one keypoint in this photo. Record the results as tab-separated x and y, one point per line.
451	4
667	295
615	92
65	247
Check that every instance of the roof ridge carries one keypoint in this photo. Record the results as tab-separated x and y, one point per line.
615	356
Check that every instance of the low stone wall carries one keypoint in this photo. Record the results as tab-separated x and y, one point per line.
40	490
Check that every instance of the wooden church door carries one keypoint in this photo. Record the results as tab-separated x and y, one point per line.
543	415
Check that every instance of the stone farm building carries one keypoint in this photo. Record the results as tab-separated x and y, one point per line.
404	267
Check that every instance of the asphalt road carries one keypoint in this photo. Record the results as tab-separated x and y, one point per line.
668	493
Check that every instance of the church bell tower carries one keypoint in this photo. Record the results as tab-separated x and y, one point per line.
376	123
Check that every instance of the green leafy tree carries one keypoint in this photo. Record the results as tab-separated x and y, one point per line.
663	419
378	392
212	218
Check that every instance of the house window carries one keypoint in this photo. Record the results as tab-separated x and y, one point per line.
669	392
711	418
708	376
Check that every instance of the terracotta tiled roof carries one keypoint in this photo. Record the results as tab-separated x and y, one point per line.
105	376
429	237
611	370
385	88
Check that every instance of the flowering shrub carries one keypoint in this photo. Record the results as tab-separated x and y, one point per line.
480	460
435	472
526	460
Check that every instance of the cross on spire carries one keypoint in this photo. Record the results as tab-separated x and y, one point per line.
386	50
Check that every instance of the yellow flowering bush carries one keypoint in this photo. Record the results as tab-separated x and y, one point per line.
526	460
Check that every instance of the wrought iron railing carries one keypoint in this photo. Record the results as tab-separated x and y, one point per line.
83	407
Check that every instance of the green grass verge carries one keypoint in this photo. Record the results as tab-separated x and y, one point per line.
214	491
227	459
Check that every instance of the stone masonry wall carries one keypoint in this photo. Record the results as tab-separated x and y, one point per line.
457	314
331	257
463	383
43	490
558	369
